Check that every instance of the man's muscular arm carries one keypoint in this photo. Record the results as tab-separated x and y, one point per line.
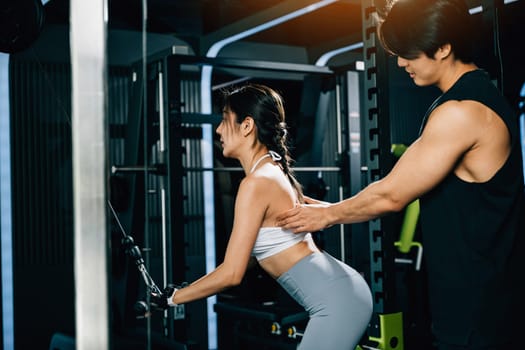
448	135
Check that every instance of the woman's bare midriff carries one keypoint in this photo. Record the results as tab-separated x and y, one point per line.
281	262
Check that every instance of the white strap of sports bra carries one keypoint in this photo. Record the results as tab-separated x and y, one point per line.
275	156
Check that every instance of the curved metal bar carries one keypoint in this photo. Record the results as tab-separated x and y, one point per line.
122	169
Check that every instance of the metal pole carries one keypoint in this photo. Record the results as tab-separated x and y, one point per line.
339	152
6	220
88	21
162	154
165	183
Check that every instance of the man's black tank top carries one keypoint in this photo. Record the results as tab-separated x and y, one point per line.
473	237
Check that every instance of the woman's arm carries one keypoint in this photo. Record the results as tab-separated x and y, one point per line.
250	207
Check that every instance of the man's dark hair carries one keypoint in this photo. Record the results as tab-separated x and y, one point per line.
411	27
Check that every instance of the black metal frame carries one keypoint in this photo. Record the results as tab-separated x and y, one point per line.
377	162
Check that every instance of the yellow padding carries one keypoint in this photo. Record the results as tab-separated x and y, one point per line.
391	328
408	227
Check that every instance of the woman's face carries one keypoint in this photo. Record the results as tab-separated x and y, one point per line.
229	132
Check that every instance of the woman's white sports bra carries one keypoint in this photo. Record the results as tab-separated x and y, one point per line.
272	240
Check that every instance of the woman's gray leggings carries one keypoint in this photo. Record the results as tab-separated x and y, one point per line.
337	298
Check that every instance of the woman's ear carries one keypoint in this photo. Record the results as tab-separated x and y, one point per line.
247	125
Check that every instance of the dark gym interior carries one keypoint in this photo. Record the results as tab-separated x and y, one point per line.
171	192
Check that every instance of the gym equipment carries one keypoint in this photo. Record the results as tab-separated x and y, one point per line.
406	236
21	22
391	330
385	328
390	334
408	227
142	308
267	323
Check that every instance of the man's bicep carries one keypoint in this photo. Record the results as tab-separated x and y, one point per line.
431	157
421	168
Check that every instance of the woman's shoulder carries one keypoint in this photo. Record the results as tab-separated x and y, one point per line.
266	181
257	183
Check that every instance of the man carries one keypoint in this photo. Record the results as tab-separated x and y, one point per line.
465	167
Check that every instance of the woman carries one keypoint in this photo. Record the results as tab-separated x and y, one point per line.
338	300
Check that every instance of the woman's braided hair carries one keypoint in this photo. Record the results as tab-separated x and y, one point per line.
266	107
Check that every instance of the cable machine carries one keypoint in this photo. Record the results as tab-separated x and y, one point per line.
167	215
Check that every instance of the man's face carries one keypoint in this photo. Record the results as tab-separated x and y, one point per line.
423	70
